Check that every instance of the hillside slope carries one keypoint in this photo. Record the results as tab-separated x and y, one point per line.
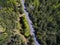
14	28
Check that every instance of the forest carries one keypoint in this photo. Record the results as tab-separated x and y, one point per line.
15	28
45	15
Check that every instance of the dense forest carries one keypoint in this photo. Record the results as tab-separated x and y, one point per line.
45	15
15	28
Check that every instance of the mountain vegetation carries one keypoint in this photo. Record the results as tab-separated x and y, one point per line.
45	15
14	28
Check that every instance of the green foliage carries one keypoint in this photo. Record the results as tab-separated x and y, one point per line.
3	38
2	29
7	3
25	26
8	18
46	20
8	23
35	3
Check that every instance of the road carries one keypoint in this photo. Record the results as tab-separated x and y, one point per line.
30	23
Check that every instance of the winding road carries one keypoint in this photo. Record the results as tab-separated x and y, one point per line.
30	23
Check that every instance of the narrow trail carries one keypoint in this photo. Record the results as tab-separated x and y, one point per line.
18	32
